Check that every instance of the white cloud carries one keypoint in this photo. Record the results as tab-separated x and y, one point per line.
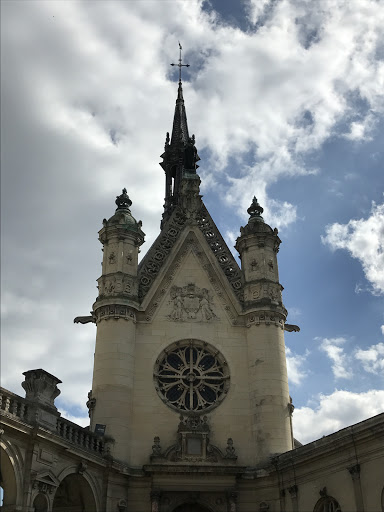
372	359
332	347
334	412
295	363
382	329
79	420
87	93
364	240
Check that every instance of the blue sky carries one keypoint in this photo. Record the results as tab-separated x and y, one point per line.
286	101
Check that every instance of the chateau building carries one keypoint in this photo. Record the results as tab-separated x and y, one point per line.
190	408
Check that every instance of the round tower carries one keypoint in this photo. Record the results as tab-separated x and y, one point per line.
114	312
258	246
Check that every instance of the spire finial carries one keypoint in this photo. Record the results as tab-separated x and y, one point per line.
180	65
255	210
123	202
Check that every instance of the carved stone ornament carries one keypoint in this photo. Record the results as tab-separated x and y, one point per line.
82	468
45	482
122	506
91	403
153	261
117	285
114	311
291	328
264	318
193	444
85	319
191	375
191	303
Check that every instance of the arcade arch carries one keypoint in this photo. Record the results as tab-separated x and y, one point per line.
8	481
74	494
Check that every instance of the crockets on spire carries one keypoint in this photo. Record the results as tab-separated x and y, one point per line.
180	154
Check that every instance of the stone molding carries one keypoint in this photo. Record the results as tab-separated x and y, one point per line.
264	318
115	311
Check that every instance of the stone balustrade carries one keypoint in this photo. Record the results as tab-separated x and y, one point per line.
13	405
80	436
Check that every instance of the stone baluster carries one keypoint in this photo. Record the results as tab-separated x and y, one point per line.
7	404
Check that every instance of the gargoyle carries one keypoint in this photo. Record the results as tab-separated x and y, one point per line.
84	319
291	328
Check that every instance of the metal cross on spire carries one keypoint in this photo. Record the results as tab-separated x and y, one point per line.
180	65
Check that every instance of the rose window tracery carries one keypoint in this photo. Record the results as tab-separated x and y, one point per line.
191	376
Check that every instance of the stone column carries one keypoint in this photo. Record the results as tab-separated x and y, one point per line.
354	471
155	500
293	490
232	500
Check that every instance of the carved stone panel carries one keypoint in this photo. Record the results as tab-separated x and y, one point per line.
191	303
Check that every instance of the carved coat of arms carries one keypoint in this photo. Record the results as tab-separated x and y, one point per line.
191	303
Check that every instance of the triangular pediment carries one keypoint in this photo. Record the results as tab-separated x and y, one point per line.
48	478
191	287
211	244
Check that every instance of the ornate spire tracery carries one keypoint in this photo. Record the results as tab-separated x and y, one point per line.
180	154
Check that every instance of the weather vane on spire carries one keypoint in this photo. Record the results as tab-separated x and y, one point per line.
180	65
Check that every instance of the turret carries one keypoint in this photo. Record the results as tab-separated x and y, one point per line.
114	312
265	316
121	237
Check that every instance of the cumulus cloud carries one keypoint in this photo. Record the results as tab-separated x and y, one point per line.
364	240
334	412
334	350
372	358
295	364
88	93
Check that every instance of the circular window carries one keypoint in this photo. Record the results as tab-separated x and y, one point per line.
191	376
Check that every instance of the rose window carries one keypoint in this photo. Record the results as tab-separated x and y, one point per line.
191	376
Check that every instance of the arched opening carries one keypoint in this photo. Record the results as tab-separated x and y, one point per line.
191	507
382	500
40	503
74	494
327	504
7	482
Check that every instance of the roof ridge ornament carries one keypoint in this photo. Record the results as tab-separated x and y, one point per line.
123	202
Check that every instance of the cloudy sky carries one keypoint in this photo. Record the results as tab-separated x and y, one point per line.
286	100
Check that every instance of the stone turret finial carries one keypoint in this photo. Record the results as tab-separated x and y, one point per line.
123	202
255	211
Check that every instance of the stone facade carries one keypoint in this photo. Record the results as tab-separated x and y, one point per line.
189	408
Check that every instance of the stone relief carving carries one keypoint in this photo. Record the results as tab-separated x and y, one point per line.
153	261
117	285
191	303
206	265
112	258
264	290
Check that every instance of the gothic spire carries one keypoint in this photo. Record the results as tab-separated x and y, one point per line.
180	154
